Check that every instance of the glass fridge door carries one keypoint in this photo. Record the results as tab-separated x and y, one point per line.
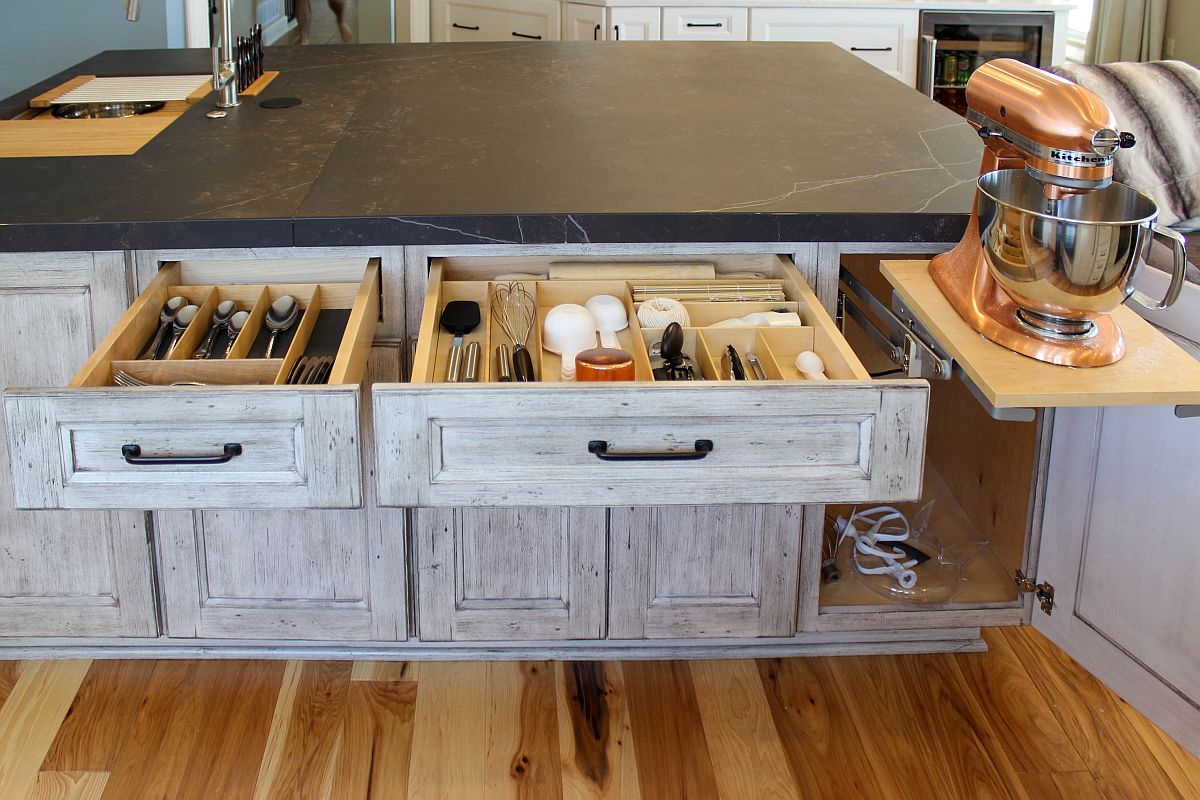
956	44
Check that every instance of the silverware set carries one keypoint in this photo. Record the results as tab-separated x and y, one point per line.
123	378
309	370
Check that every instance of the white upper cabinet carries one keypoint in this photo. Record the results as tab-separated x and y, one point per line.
884	38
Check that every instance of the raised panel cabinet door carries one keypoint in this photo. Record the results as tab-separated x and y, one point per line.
1120	545
65	573
703	571
583	23
320	575
635	24
495	20
886	39
488	574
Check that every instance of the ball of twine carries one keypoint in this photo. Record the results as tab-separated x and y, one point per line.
659	312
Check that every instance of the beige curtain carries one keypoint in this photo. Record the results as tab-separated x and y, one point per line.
1126	30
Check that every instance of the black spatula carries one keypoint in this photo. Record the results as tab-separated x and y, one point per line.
459	317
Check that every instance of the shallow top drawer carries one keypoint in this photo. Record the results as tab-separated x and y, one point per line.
776	438
200	409
886	39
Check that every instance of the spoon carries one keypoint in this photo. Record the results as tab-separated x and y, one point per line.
182	320
165	318
220	321
236	323
282	315
811	365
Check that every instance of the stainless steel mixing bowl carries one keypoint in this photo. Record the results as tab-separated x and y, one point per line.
1065	260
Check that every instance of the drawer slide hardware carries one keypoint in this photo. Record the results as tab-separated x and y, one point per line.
133	455
703	447
905	343
908	343
1044	592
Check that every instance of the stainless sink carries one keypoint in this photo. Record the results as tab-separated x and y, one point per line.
104	110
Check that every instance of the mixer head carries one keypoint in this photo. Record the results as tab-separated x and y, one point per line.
1064	133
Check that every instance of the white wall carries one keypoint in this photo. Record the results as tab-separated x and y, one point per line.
41	37
1183	26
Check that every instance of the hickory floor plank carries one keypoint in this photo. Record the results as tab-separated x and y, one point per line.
376	743
100	717
1091	715
64	785
915	711
522	731
595	742
1181	767
668	734
227	752
817	731
1078	785
30	718
449	732
1028	730
747	756
305	759
384	671
9	672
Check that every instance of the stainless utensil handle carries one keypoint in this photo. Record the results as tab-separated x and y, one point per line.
152	350
503	367
454	366
599	448
271	344
929	61
1178	274
133	455
471	369
205	349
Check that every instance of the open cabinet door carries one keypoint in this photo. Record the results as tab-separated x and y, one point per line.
1120	544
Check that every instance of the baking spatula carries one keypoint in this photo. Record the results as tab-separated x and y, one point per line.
459	317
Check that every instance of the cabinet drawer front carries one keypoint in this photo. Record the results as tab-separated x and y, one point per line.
705	24
497	20
296	448
884	39
807	443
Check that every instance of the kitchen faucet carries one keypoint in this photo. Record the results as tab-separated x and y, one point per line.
224	78
224	73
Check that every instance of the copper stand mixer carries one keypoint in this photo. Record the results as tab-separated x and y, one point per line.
1060	241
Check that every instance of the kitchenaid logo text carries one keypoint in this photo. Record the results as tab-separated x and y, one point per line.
1069	157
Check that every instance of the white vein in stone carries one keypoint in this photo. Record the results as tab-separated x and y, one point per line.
573	221
407	221
247	200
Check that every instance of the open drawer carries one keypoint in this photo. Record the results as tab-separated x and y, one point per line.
234	430
782	439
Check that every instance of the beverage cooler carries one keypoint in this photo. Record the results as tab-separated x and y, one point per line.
955	44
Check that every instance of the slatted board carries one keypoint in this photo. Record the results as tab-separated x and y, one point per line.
127	89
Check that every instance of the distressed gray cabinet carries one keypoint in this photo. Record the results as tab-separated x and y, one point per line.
65	573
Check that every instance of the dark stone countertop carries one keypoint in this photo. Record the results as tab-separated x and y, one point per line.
540	142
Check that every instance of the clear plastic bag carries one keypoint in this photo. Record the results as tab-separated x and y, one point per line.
900	560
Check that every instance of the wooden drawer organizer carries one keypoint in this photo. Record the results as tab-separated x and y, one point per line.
242	440
780	440
325	307
776	348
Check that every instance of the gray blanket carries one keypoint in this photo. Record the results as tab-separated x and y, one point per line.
1159	102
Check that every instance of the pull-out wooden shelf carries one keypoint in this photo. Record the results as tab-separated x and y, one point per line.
781	440
243	439
1154	371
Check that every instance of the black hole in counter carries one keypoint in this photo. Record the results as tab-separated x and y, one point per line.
280	102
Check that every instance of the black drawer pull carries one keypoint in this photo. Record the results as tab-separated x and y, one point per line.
133	455
705	24
526	35
596	33
870	49
464	27
599	448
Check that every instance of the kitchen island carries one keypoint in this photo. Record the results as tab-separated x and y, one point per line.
416	520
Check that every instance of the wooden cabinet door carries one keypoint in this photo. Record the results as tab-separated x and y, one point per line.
703	571
301	575
510	573
1120	545
65	573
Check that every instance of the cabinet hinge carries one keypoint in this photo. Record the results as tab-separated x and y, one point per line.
1044	592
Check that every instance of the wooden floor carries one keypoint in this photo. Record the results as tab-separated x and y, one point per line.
1019	721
